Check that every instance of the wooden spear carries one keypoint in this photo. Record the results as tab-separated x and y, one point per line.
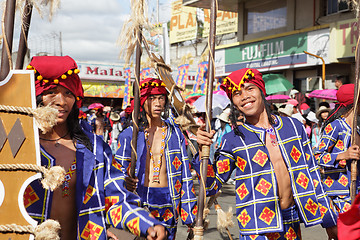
354	170
24	35
8	33
205	153
135	114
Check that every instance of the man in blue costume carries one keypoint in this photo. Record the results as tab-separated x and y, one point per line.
277	181
164	181
92	194
335	152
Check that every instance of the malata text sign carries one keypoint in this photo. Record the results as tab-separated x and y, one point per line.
183	24
99	71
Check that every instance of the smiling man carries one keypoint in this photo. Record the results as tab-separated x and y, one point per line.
165	184
92	195
277	181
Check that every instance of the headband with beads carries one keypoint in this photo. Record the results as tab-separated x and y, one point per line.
231	86
56	81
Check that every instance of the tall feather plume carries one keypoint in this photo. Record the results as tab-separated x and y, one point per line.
138	19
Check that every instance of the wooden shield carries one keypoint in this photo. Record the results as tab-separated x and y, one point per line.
177	100
19	144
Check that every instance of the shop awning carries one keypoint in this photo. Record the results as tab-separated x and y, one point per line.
105	90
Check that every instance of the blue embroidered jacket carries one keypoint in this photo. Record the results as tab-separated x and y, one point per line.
179	178
257	202
100	196
336	139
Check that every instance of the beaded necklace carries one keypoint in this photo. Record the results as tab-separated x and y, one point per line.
68	176
272	135
156	163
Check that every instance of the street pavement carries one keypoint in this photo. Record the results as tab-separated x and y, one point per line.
226	200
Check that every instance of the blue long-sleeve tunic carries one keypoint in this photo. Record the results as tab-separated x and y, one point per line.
257	201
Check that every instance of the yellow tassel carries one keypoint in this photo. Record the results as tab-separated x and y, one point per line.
63	76
246	76
76	71
56	81
229	88
69	72
29	67
252	74
46	81
77	98
39	78
35	71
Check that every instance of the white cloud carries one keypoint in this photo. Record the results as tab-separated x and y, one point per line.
89	29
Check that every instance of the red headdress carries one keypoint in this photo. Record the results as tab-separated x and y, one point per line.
237	78
51	71
345	94
151	86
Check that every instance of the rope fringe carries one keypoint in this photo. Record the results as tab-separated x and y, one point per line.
48	230
45	117
53	177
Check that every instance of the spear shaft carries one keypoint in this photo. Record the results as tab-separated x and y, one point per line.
354	170
136	110
8	38
206	149
24	35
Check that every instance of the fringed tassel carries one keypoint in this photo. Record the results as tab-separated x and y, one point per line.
224	219
53	177
45	118
48	230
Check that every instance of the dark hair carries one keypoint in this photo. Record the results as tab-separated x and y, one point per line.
336	113
73	124
235	114
344	79
143	122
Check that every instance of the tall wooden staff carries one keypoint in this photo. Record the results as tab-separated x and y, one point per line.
24	35
354	170
8	33
199	229
136	91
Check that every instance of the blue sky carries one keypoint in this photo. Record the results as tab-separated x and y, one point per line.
89	28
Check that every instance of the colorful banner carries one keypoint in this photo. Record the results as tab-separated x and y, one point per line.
109	90
182	75
200	79
218	83
145	73
183	25
226	22
127	91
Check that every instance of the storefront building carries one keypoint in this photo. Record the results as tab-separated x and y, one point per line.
274	36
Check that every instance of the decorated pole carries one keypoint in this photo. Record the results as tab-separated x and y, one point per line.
24	35
8	33
205	153
136	91
354	170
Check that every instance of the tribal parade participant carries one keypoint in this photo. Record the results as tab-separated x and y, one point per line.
277	181
163	178
92	194
335	150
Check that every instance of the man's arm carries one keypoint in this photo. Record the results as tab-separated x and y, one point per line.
122	207
220	171
328	213
188	198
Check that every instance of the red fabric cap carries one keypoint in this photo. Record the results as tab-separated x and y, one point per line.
51	71
345	94
151	86
349	222
245	75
